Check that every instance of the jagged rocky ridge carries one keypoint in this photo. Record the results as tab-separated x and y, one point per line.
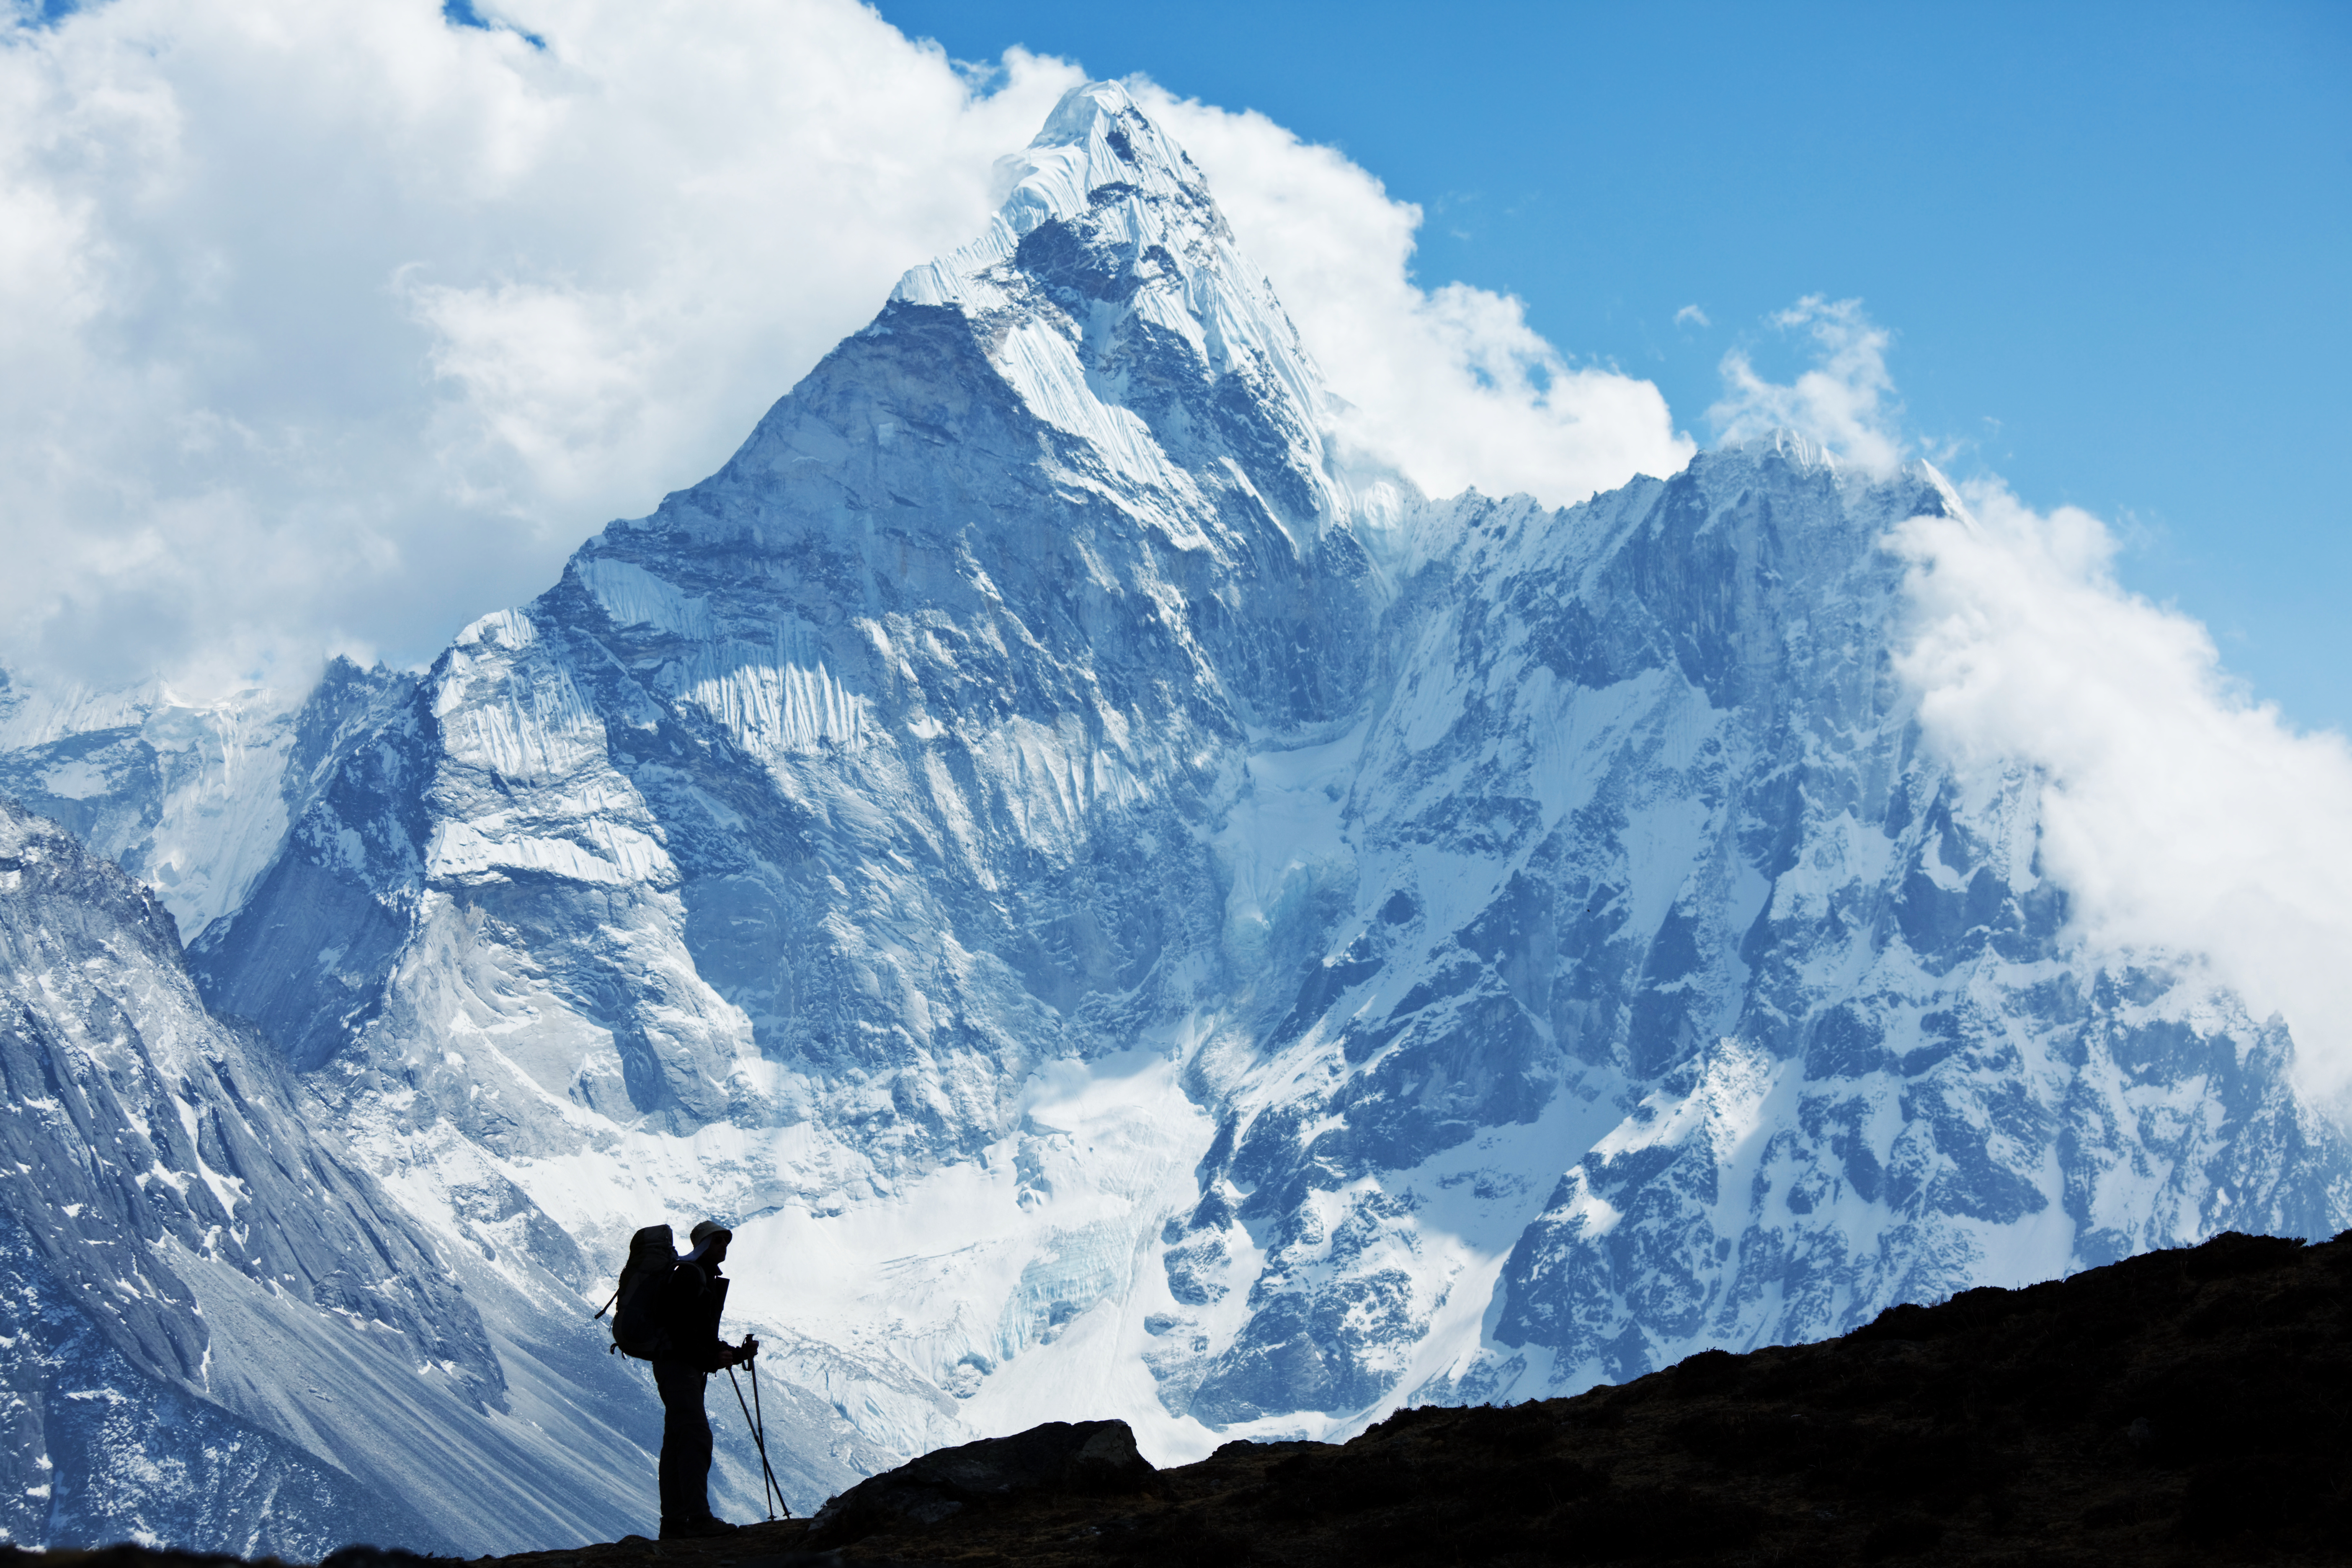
1137	913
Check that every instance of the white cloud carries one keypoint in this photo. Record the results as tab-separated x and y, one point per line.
2180	816
2185	822
1845	401
1451	385
334	326
1691	316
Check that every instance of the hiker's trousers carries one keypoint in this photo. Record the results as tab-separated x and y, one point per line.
686	1443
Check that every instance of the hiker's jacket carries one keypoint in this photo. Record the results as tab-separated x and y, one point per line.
692	1298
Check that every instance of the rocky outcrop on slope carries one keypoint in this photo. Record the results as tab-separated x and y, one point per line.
1084	1459
2183	1408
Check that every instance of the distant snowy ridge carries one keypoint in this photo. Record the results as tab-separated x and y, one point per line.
1135	914
187	796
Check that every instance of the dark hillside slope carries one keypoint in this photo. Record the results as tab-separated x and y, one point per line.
2184	1407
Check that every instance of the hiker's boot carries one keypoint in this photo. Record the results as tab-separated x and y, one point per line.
693	1529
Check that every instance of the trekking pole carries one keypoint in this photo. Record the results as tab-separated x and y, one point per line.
762	1438
759	1416
768	1486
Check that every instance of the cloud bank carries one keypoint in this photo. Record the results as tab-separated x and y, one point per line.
2181	817
331	326
2186	821
1451	385
328	329
1844	402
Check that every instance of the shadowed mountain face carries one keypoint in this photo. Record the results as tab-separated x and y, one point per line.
1137	913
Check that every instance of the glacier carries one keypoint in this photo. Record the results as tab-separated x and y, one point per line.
1134	911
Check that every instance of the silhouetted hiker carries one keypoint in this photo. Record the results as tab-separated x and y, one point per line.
690	1350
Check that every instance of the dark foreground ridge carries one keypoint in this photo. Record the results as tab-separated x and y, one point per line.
2184	1407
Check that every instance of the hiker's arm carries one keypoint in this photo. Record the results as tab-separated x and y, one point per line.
715	1353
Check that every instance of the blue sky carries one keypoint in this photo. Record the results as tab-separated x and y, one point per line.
2110	240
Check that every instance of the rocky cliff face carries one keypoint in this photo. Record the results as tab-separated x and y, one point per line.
1648	849
1136	913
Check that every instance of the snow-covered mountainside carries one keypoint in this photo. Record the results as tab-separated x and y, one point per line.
1136	912
188	797
215	1328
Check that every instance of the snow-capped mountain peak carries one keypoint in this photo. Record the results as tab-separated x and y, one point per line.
1096	150
1119	306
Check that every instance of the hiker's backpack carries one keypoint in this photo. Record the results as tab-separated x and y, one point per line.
636	1330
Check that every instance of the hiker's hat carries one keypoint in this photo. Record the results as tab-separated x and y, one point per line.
706	1230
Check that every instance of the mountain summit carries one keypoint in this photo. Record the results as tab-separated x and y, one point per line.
1122	940
1118	308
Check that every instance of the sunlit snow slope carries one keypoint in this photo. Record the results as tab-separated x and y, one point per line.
1135	913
